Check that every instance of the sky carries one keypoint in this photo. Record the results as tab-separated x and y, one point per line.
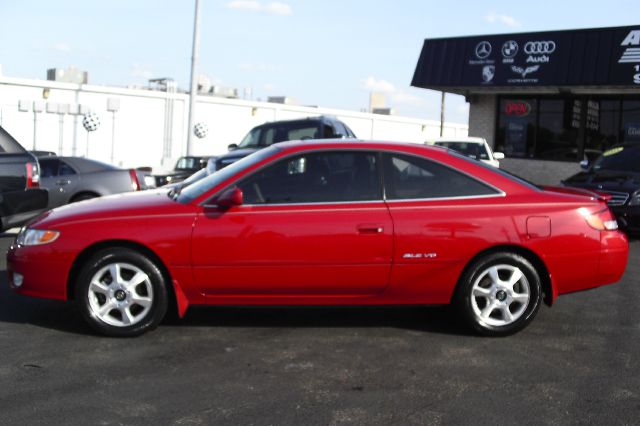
329	53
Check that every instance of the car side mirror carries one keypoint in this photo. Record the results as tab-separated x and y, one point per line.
498	156
584	164
232	146
230	198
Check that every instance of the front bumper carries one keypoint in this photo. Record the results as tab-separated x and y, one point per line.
40	278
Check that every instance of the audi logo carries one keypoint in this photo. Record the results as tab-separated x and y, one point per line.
539	47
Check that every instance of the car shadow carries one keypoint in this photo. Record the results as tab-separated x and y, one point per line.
63	316
429	319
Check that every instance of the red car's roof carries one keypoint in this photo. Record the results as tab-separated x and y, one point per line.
357	143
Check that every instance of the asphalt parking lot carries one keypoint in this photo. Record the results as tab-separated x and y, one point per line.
577	363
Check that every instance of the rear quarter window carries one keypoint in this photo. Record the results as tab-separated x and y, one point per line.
409	177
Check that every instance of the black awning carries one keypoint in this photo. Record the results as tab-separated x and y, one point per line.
589	57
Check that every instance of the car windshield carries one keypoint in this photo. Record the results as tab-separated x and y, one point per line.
473	150
621	159
273	133
188	163
196	189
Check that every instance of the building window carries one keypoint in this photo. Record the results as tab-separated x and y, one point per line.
516	127
565	128
631	121
602	127
558	124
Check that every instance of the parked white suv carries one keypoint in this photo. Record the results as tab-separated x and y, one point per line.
476	148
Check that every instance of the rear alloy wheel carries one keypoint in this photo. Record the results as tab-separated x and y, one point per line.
120	292
499	294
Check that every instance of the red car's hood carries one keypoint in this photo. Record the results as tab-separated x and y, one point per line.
145	203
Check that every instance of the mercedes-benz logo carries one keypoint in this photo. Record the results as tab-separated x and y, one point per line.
483	50
509	49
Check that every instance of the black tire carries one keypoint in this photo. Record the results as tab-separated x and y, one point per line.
83	196
478	293
130	309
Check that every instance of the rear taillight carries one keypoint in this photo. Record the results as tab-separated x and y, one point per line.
135	183
602	220
33	175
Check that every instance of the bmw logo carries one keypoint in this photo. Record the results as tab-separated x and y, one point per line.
509	49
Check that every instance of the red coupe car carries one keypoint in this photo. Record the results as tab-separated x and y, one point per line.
325	223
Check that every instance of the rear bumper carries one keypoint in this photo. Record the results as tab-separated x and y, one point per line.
605	265
613	257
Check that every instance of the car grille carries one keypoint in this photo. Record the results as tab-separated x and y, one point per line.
619	198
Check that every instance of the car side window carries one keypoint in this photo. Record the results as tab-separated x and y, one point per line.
341	130
65	169
301	133
49	167
329	131
408	177
339	176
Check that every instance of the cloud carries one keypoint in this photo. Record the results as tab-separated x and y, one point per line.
137	70
277	8
378	85
269	87
62	47
507	20
273	8
397	96
404	98
463	108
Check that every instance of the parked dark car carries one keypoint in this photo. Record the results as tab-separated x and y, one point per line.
71	179
264	135
20	196
617	173
185	167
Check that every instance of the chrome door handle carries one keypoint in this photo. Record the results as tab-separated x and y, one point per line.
63	182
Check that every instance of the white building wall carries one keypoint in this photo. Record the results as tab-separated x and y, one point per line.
148	121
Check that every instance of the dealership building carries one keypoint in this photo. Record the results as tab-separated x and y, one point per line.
548	100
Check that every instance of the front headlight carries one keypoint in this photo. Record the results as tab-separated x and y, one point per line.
635	199
36	237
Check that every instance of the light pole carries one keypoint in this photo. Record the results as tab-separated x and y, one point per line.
442	114
113	105
194	79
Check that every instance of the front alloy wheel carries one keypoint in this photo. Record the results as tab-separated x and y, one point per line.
121	292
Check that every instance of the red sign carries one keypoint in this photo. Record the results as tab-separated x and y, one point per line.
517	108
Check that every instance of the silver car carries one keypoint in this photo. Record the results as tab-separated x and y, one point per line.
71	179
